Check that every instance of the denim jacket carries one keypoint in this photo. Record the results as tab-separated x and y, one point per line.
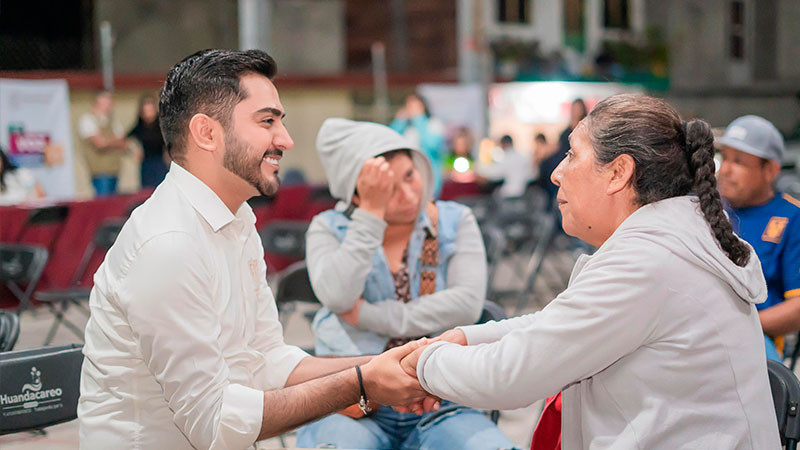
336	337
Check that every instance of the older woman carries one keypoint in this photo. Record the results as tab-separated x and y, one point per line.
656	342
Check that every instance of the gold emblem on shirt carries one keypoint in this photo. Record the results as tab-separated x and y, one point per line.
774	230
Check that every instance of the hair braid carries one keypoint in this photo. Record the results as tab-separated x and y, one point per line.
700	147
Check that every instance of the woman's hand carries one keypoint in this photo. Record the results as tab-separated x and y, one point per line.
456	336
375	185
351	316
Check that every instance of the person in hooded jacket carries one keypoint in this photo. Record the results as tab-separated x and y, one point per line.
656	342
389	265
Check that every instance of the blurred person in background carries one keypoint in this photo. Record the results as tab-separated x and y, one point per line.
148	134
551	158
390	265
459	165
515	169
17	185
752	150
426	133
102	143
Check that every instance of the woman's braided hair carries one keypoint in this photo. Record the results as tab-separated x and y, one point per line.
672	158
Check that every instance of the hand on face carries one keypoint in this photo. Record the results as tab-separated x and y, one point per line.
414	107
375	185
387	382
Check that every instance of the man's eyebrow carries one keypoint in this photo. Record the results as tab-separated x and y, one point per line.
273	111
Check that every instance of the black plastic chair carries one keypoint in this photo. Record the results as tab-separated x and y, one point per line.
285	238
46	215
786	396
9	330
492	311
40	387
294	286
482	206
494	241
59	300
21	267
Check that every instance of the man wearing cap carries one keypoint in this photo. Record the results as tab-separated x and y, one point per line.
752	150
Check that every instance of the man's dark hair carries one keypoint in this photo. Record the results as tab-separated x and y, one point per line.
540	137
206	82
506	140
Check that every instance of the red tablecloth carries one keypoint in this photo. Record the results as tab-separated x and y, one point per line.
69	243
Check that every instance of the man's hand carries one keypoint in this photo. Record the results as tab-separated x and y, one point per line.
385	381
375	185
351	316
409	365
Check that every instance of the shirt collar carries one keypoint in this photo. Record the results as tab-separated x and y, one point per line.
205	201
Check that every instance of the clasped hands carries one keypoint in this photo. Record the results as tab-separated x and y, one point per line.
391	377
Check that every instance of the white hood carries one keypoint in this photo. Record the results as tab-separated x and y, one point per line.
345	145
664	223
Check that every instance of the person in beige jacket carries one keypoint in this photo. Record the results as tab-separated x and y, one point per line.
656	342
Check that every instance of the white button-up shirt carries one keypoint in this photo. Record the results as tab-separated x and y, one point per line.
184	333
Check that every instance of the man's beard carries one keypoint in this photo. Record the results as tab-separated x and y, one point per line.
248	168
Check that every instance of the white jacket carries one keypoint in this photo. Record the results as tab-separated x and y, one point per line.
656	344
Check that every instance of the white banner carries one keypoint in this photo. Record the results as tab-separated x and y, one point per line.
35	132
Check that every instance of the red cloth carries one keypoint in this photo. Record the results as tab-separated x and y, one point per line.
547	435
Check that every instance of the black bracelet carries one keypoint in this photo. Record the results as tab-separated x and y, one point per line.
363	403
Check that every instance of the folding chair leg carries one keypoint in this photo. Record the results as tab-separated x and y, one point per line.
52	333
60	319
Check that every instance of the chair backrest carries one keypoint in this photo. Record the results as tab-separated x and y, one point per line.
106	234
494	240
482	206
48	215
9	330
22	264
786	396
39	387
491	311
295	285
285	238
104	237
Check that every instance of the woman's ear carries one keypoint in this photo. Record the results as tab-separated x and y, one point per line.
203	132
621	169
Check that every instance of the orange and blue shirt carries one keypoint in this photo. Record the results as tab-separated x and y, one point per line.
773	229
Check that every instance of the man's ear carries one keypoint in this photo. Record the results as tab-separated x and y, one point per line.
773	169
621	169
203	131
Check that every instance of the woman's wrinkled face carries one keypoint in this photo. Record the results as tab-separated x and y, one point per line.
582	187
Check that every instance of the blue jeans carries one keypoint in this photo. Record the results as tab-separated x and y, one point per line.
104	185
452	427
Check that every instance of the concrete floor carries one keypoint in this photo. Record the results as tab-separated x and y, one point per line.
516	424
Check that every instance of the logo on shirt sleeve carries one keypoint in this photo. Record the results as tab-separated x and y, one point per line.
774	230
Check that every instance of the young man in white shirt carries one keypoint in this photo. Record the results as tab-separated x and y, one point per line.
183	347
